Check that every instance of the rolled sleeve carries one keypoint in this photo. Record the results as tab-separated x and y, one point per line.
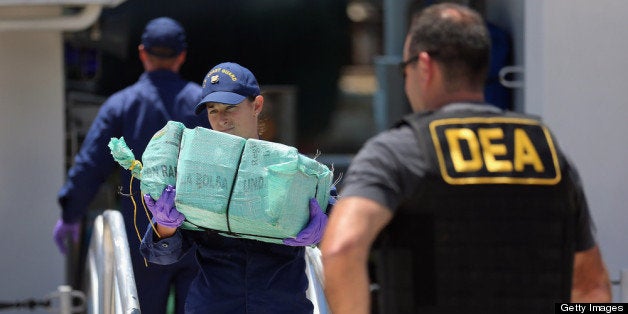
163	251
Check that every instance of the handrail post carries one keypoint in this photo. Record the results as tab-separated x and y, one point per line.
111	287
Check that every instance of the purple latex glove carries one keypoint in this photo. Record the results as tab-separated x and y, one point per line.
163	210
313	232
62	231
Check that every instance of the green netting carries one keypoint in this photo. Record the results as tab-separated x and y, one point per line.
249	188
160	159
124	156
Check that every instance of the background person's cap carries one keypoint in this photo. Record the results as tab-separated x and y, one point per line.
164	37
227	83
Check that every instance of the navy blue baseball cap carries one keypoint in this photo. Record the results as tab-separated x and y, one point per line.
227	83
164	37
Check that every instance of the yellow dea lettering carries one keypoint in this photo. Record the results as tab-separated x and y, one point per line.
495	150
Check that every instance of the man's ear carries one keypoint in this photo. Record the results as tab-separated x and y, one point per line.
258	104
426	65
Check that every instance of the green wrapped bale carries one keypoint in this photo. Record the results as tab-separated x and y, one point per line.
160	159
272	191
207	166
248	188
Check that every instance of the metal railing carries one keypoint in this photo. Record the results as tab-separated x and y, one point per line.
110	283
314	271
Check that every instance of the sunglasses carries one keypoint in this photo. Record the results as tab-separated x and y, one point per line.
403	64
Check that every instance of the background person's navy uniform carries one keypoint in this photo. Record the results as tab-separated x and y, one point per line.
464	243
135	113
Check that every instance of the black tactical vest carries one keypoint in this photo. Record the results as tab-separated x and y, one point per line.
490	229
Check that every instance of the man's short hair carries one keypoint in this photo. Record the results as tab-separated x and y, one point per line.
457	37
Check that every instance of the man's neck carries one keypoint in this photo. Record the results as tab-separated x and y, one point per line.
460	96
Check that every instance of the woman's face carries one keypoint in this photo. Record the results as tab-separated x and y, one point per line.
240	120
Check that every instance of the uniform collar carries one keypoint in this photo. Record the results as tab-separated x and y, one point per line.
159	75
470	106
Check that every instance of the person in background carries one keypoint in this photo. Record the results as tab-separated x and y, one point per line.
462	207
136	113
237	275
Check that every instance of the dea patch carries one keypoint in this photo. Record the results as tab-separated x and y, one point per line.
495	150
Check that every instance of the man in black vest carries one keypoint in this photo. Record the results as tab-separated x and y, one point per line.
462	207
